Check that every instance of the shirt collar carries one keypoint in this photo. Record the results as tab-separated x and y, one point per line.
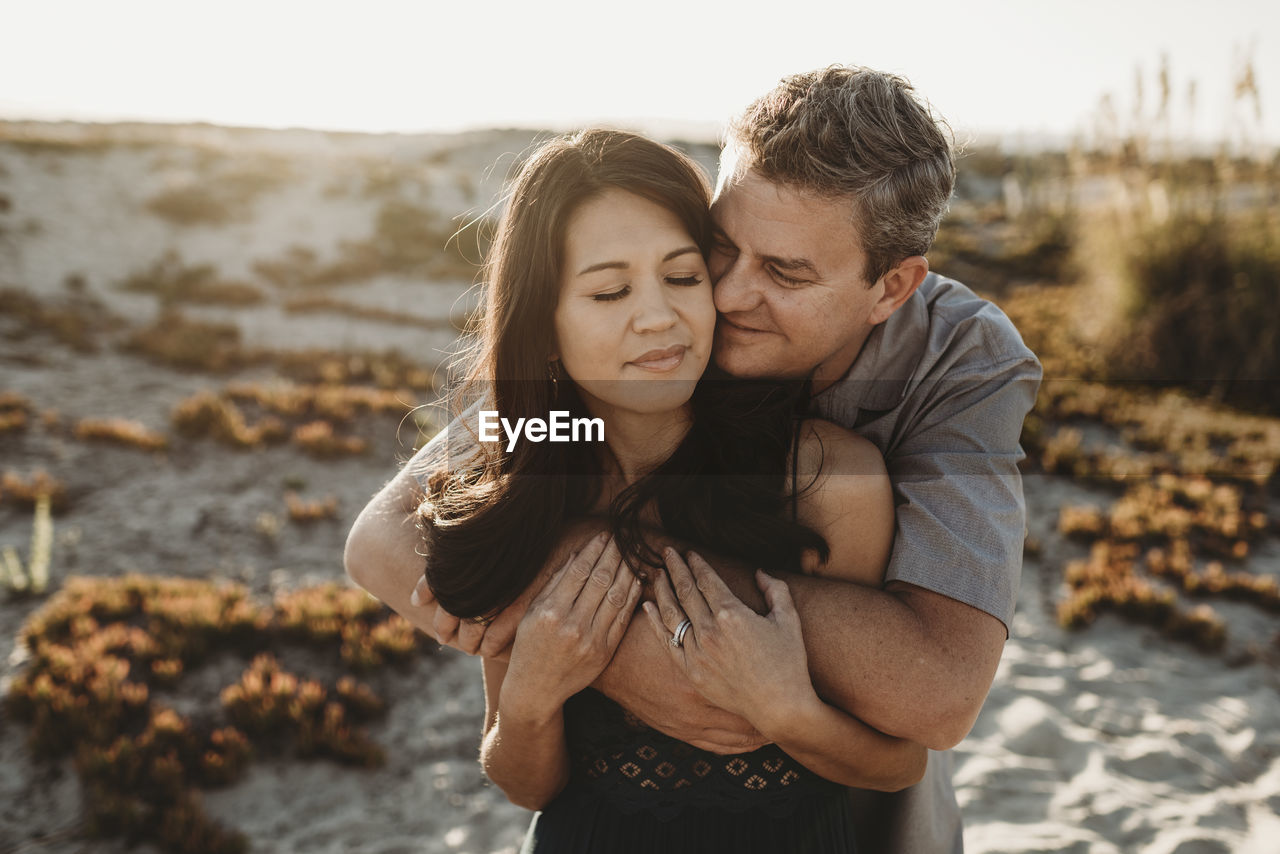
884	366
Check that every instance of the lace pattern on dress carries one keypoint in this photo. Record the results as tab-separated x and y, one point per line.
638	768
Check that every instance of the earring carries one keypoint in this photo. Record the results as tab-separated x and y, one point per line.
553	373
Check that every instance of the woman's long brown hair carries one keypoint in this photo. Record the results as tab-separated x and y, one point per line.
491	521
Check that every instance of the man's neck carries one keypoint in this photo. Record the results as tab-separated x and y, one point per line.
832	369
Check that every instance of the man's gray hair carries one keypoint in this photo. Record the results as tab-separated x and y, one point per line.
852	132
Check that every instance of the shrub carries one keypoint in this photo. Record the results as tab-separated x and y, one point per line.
98	646
1199	313
208	414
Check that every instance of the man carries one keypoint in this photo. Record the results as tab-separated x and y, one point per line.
830	191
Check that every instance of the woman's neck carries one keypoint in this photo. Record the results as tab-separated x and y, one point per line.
640	442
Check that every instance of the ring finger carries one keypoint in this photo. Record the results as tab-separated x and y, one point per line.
668	606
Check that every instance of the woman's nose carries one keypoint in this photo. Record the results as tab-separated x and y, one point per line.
655	312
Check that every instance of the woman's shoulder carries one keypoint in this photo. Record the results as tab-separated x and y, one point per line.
825	448
846	496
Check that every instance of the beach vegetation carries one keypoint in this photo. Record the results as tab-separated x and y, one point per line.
73	321
14	412
176	341
206	414
121	431
221	190
27	490
319	440
407	239
173	282
311	510
34	577
313	303
102	652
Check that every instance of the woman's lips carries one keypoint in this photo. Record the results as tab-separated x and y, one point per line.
660	361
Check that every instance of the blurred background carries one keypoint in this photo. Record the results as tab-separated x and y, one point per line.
238	242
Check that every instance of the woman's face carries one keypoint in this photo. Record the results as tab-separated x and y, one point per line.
635	320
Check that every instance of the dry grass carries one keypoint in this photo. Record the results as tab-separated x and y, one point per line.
223	191
14	412
27	491
319	440
206	414
322	303
305	414
175	341
300	267
34	578
173	282
408	239
388	370
340	403
74	321
121	431
314	510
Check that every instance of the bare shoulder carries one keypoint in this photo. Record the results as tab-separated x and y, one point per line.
826	449
845	495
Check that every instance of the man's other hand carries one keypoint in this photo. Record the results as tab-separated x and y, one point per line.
488	640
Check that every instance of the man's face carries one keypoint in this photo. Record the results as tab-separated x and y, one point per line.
787	267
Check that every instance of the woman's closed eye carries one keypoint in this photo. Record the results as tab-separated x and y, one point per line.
612	295
685	281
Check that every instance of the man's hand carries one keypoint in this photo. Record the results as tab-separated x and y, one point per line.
494	639
488	640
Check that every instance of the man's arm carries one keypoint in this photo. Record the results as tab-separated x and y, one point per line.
382	550
909	661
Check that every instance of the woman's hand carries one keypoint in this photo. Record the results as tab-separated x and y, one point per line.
752	665
571	628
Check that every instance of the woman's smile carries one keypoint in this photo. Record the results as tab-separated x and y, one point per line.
661	361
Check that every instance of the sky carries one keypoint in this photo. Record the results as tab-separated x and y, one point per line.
1019	69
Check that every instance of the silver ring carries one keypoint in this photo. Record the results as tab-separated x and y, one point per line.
677	639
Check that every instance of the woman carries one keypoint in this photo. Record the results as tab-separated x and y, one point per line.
599	305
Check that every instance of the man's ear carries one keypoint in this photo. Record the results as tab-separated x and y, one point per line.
899	284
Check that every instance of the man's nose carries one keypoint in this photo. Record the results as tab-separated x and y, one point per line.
735	291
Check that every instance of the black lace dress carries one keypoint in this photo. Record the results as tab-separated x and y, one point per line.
633	789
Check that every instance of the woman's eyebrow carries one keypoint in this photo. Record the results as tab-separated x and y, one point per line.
623	265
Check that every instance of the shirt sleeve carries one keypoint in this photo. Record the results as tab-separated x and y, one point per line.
961	516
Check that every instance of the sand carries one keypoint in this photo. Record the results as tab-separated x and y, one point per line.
1106	740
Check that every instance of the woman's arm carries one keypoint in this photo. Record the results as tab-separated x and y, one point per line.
755	666
523	751
846	496
566	637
